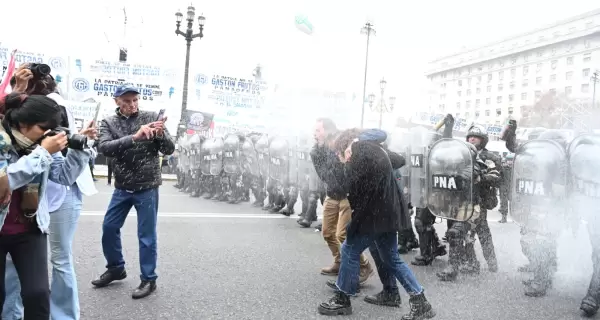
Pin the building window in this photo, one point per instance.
(489, 89)
(478, 79)
(499, 99)
(460, 83)
(477, 102)
(585, 88)
(468, 92)
(459, 93)
(442, 96)
(568, 90)
(498, 112)
(538, 80)
(539, 66)
(525, 70)
(553, 90)
(510, 110)
(501, 75)
(513, 72)
(514, 59)
(538, 94)
(511, 97)
(466, 114)
(480, 68)
(526, 57)
(569, 61)
(490, 77)
(524, 96)
(587, 57)
(487, 113)
(553, 51)
(552, 77)
(469, 82)
(500, 87)
(442, 107)
(458, 105)
(443, 85)
(478, 90)
(540, 53)
(587, 44)
(468, 105)
(554, 64)
(476, 114)
(525, 83)
(585, 73)
(488, 100)
(569, 75)
(512, 85)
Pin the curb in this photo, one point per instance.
(105, 175)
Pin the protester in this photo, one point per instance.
(26, 168)
(377, 213)
(64, 204)
(336, 208)
(134, 139)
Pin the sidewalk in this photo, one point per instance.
(101, 171)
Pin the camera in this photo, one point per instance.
(39, 70)
(74, 141)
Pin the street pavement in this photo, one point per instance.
(222, 261)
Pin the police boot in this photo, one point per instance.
(337, 305)
(451, 271)
(420, 308)
(195, 193)
(503, 219)
(470, 263)
(402, 242)
(431, 249)
(591, 301)
(539, 285)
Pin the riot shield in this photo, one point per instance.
(262, 152)
(450, 187)
(231, 154)
(250, 158)
(584, 160)
(306, 170)
(398, 142)
(420, 141)
(538, 181)
(279, 159)
(216, 156)
(194, 143)
(205, 156)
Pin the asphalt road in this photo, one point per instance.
(221, 261)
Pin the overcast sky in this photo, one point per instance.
(240, 34)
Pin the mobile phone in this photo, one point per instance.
(161, 114)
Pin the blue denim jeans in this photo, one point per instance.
(386, 274)
(387, 247)
(64, 297)
(146, 205)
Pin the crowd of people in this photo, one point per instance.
(45, 170)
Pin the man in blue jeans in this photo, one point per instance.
(377, 214)
(133, 138)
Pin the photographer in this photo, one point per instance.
(29, 156)
(64, 204)
(134, 139)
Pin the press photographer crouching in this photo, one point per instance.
(29, 156)
(64, 205)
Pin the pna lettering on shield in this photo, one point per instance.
(531, 187)
(444, 182)
(416, 160)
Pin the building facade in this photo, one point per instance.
(489, 83)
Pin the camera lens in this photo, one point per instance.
(43, 69)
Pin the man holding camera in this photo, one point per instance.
(133, 138)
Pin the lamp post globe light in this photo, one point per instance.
(382, 106)
(189, 35)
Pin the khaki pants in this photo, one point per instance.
(336, 216)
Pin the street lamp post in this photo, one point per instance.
(382, 107)
(188, 35)
(368, 30)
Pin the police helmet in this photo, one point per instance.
(479, 131)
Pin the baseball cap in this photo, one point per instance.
(125, 89)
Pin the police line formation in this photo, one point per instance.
(553, 180)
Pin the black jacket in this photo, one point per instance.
(135, 164)
(331, 171)
(377, 203)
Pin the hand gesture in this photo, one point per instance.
(54, 144)
(22, 76)
(159, 126)
(145, 132)
(90, 130)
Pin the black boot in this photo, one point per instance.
(108, 277)
(591, 302)
(470, 263)
(144, 289)
(287, 211)
(385, 298)
(454, 259)
(420, 308)
(337, 305)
